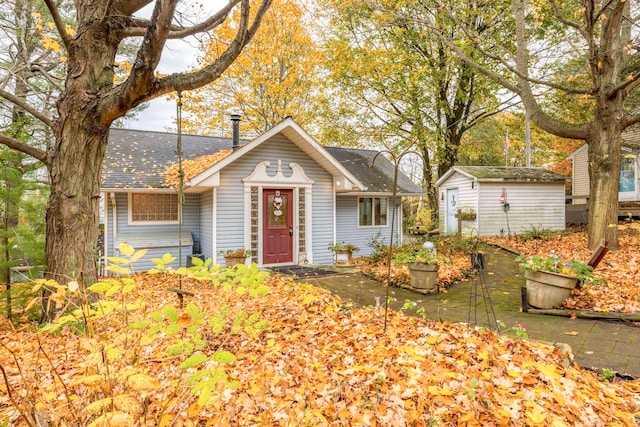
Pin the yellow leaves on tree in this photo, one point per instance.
(193, 167)
(50, 35)
(49, 43)
(271, 79)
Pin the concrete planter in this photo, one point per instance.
(546, 289)
(423, 276)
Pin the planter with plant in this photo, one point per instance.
(549, 280)
(343, 253)
(235, 256)
(423, 268)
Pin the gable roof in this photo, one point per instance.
(503, 174)
(379, 178)
(290, 129)
(137, 160)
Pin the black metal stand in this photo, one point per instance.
(479, 291)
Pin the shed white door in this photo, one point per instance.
(452, 208)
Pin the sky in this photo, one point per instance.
(161, 113)
(178, 56)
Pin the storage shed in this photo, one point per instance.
(500, 201)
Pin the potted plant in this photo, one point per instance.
(549, 280)
(343, 253)
(235, 256)
(423, 268)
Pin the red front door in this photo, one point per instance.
(277, 225)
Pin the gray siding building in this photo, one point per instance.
(282, 196)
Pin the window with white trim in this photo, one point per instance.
(154, 207)
(372, 211)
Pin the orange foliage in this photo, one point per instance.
(621, 268)
(319, 363)
(193, 167)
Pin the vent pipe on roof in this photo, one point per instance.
(235, 120)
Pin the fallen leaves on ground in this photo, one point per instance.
(400, 277)
(318, 363)
(621, 267)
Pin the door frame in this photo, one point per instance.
(448, 216)
(300, 183)
(293, 209)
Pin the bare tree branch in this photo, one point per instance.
(500, 59)
(538, 116)
(26, 107)
(631, 120)
(129, 7)
(24, 148)
(62, 29)
(628, 85)
(176, 32)
(107, 11)
(142, 86)
(566, 21)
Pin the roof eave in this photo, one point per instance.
(300, 138)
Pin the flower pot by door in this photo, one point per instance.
(546, 289)
(343, 258)
(423, 276)
(231, 261)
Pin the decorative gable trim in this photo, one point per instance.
(301, 139)
(259, 175)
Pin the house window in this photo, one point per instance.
(151, 207)
(372, 211)
(627, 175)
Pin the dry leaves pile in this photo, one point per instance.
(621, 268)
(318, 363)
(447, 273)
(193, 167)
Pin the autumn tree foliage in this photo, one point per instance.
(86, 38)
(599, 38)
(274, 77)
(485, 145)
(22, 190)
(399, 84)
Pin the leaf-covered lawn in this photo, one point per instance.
(455, 250)
(621, 267)
(298, 356)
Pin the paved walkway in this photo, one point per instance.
(596, 344)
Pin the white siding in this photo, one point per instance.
(348, 231)
(539, 205)
(468, 201)
(230, 196)
(580, 175)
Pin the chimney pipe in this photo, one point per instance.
(235, 120)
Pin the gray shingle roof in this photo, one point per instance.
(137, 159)
(378, 179)
(507, 173)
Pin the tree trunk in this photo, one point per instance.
(604, 176)
(72, 210)
(605, 136)
(75, 162)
